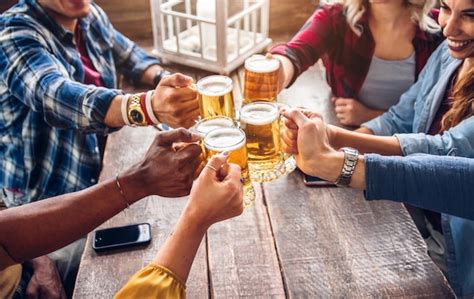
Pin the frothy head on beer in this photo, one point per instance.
(225, 139)
(259, 113)
(208, 124)
(214, 85)
(261, 64)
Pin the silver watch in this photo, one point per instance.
(351, 156)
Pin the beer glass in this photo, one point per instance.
(215, 96)
(289, 160)
(261, 123)
(232, 140)
(208, 124)
(261, 79)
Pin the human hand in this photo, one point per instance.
(289, 132)
(216, 195)
(315, 155)
(45, 282)
(170, 164)
(351, 112)
(175, 102)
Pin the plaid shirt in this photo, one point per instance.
(48, 118)
(346, 56)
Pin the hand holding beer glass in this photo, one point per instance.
(233, 141)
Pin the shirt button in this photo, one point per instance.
(93, 181)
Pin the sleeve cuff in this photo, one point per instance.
(377, 126)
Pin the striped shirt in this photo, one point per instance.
(48, 117)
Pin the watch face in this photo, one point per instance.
(137, 117)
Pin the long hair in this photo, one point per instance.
(420, 9)
(463, 101)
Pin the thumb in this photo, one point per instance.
(296, 116)
(176, 80)
(213, 167)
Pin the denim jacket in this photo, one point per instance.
(409, 121)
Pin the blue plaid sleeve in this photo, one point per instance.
(36, 77)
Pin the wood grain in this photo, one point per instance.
(334, 244)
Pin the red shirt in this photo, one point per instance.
(91, 75)
(346, 56)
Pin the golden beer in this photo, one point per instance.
(206, 125)
(261, 79)
(232, 140)
(215, 96)
(261, 123)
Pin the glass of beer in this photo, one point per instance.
(205, 125)
(215, 96)
(261, 123)
(261, 79)
(232, 140)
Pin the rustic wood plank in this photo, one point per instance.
(333, 243)
(242, 257)
(102, 275)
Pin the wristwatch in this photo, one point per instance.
(351, 156)
(135, 113)
(160, 74)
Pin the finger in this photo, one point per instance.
(290, 124)
(177, 135)
(342, 101)
(333, 99)
(340, 109)
(269, 55)
(296, 116)
(213, 166)
(292, 150)
(234, 173)
(176, 80)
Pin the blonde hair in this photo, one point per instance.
(462, 102)
(420, 9)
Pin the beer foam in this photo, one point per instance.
(261, 64)
(214, 86)
(225, 139)
(206, 126)
(259, 113)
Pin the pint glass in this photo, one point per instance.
(261, 123)
(215, 96)
(232, 140)
(261, 79)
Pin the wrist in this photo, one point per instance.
(134, 184)
(329, 165)
(195, 219)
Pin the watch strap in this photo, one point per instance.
(351, 156)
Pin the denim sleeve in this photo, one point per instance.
(441, 184)
(457, 141)
(39, 80)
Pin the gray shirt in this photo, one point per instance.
(386, 81)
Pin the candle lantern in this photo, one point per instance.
(214, 35)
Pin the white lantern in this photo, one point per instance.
(214, 35)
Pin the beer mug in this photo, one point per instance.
(232, 140)
(261, 79)
(261, 123)
(289, 160)
(215, 96)
(208, 124)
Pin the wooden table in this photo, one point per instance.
(295, 241)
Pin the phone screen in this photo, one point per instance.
(122, 236)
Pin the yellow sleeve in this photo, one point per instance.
(153, 281)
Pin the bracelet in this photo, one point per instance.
(117, 182)
(144, 108)
(149, 108)
(123, 109)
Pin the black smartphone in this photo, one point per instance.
(123, 236)
(314, 181)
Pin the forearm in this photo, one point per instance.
(113, 117)
(287, 71)
(179, 250)
(149, 75)
(44, 226)
(365, 143)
